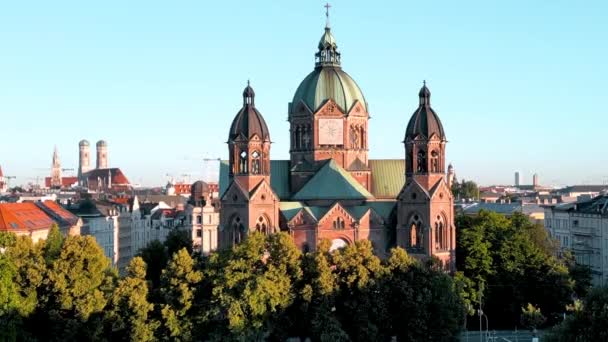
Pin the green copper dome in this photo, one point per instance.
(328, 83)
(328, 80)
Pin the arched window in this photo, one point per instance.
(421, 162)
(243, 162)
(262, 225)
(306, 137)
(441, 236)
(416, 232)
(255, 163)
(236, 230)
(434, 161)
(339, 223)
(362, 135)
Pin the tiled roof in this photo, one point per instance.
(388, 177)
(118, 177)
(65, 181)
(23, 217)
(58, 212)
(332, 182)
(501, 208)
(585, 188)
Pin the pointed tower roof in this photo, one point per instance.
(56, 160)
(424, 122)
(248, 121)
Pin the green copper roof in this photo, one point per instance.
(332, 182)
(279, 177)
(327, 40)
(290, 209)
(382, 208)
(388, 177)
(326, 83)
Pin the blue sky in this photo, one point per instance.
(519, 85)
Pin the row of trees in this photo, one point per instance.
(262, 289)
(510, 264)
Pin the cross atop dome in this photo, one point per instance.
(327, 7)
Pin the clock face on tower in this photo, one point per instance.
(331, 132)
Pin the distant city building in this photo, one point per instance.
(588, 191)
(535, 181)
(534, 212)
(36, 218)
(84, 160)
(102, 155)
(582, 227)
(177, 189)
(104, 180)
(517, 179)
(56, 180)
(203, 218)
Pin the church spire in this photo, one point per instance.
(56, 161)
(328, 54)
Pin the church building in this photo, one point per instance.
(330, 188)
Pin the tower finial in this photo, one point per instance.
(327, 7)
(424, 82)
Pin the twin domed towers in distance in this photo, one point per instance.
(330, 188)
(84, 157)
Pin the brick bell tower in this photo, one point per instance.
(425, 218)
(249, 203)
(328, 118)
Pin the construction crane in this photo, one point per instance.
(8, 180)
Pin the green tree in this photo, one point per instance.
(23, 272)
(53, 244)
(465, 189)
(78, 286)
(360, 304)
(129, 308)
(178, 284)
(532, 317)
(588, 322)
(252, 286)
(155, 256)
(429, 306)
(178, 239)
(510, 262)
(316, 301)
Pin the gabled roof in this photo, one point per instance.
(332, 182)
(118, 178)
(23, 217)
(290, 209)
(58, 213)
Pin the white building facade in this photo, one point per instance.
(582, 228)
